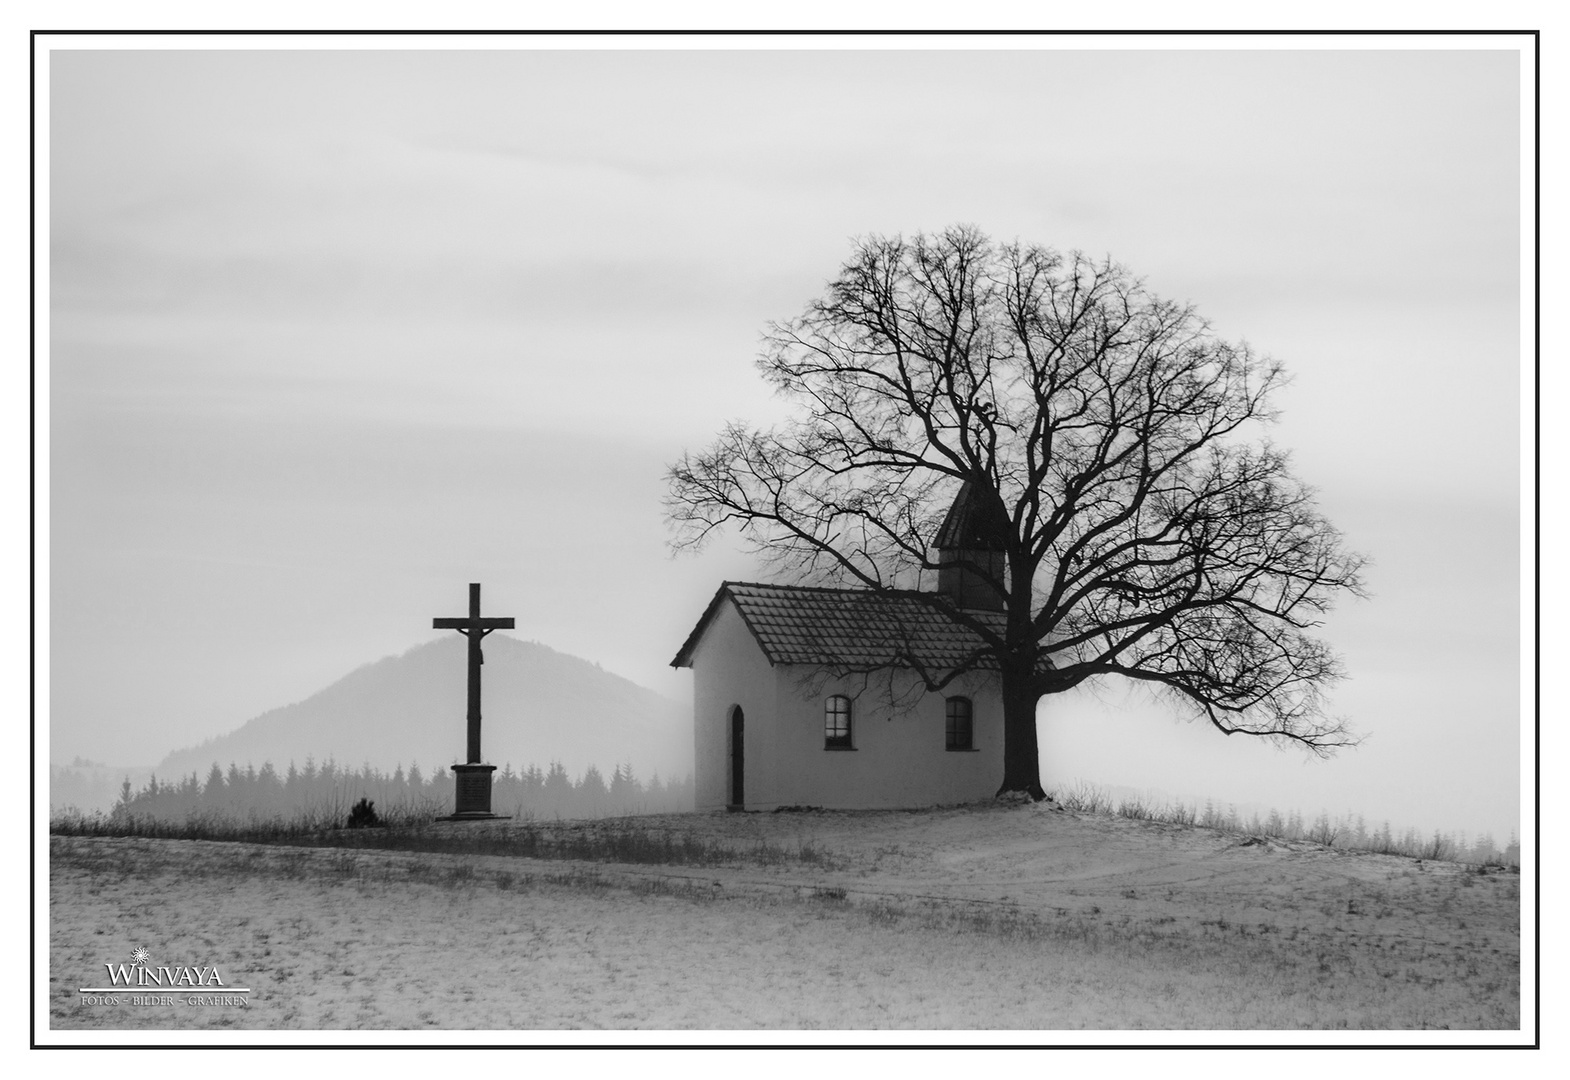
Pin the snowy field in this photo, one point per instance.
(989, 917)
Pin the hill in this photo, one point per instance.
(988, 916)
(539, 706)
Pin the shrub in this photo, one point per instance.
(363, 816)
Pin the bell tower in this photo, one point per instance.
(971, 546)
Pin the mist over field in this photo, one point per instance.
(332, 333)
(539, 706)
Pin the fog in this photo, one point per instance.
(333, 334)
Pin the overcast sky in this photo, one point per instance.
(335, 333)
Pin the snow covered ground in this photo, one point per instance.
(987, 917)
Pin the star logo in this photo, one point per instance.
(139, 955)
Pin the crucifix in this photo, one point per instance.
(473, 778)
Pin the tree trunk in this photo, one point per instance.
(1021, 755)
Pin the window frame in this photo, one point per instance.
(951, 724)
(837, 713)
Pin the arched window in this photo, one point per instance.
(957, 725)
(836, 723)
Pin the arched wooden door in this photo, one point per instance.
(737, 758)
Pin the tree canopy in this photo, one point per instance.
(1152, 529)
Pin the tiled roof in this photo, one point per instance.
(852, 628)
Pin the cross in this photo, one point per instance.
(474, 628)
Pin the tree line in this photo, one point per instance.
(329, 789)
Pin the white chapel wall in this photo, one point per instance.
(899, 758)
(730, 669)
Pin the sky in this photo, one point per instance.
(334, 333)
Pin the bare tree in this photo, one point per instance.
(1126, 510)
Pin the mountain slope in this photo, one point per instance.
(539, 706)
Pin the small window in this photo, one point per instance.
(956, 724)
(836, 723)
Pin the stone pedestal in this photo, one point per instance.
(473, 784)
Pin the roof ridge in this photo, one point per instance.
(868, 589)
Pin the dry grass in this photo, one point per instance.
(1348, 833)
(623, 840)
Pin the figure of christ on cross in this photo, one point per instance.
(473, 785)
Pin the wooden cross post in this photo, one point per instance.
(473, 778)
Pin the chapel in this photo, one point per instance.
(808, 696)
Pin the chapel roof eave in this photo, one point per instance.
(684, 654)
